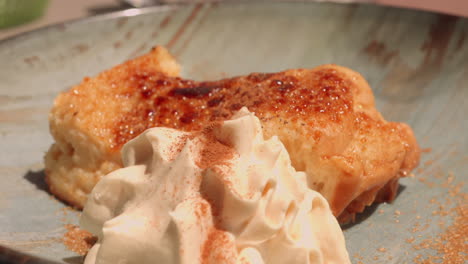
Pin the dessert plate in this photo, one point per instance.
(416, 63)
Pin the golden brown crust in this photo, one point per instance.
(325, 116)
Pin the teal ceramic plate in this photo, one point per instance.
(416, 63)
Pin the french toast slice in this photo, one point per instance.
(325, 116)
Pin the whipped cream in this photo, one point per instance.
(221, 195)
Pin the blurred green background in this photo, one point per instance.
(16, 12)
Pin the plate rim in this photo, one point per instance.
(131, 12)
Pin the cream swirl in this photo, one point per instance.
(223, 195)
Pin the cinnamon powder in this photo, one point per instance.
(213, 253)
(213, 151)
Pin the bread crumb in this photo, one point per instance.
(382, 249)
(77, 240)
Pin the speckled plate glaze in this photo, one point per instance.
(416, 63)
